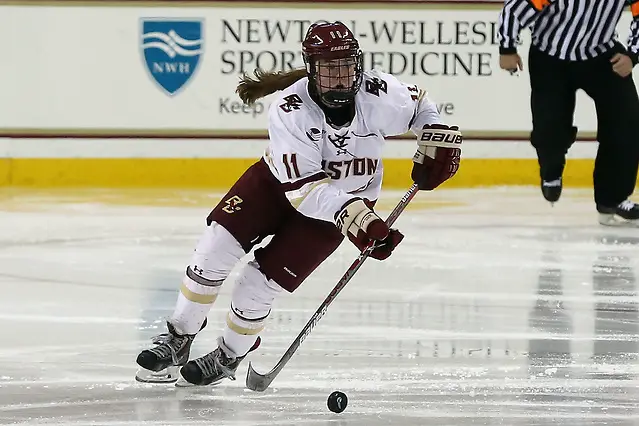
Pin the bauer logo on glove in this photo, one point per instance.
(438, 155)
(448, 136)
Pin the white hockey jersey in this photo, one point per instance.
(321, 166)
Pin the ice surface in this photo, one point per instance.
(497, 309)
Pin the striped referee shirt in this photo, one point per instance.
(568, 29)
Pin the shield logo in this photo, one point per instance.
(171, 50)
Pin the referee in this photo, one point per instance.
(575, 46)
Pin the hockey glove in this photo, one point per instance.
(361, 225)
(437, 157)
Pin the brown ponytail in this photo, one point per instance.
(251, 89)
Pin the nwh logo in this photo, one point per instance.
(172, 50)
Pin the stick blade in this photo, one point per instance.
(256, 381)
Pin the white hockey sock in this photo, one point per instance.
(239, 334)
(194, 302)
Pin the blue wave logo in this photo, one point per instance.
(172, 50)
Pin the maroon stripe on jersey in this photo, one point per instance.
(288, 168)
(294, 163)
(293, 186)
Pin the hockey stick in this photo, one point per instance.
(259, 382)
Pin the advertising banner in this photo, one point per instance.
(164, 68)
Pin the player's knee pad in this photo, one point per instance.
(216, 253)
(251, 301)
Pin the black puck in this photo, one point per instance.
(337, 402)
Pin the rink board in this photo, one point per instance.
(119, 115)
(131, 66)
(218, 163)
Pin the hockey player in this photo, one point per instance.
(316, 183)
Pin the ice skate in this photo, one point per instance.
(551, 172)
(624, 214)
(161, 363)
(551, 190)
(213, 367)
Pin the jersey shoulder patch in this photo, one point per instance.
(293, 98)
(375, 86)
(388, 102)
(386, 87)
(290, 103)
(294, 111)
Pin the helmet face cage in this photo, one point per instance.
(337, 80)
(333, 62)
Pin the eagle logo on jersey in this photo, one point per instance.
(374, 85)
(171, 49)
(339, 142)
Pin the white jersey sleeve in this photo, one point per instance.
(296, 161)
(399, 107)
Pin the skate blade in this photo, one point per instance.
(618, 221)
(168, 375)
(182, 383)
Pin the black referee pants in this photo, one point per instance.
(554, 84)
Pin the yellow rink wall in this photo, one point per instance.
(216, 173)
(94, 165)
